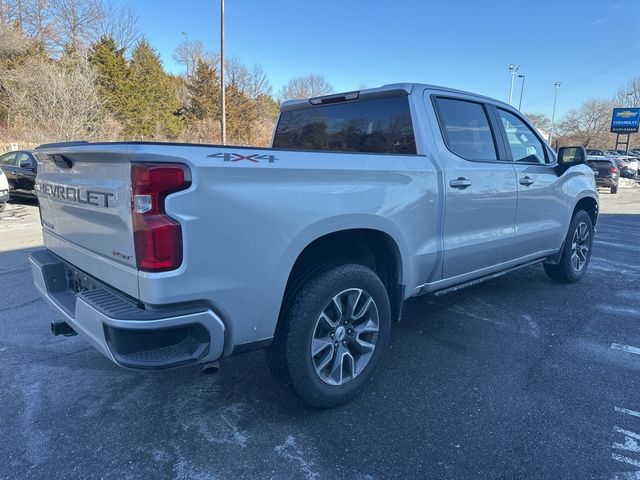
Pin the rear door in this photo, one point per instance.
(542, 208)
(480, 188)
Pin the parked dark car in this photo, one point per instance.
(607, 173)
(20, 167)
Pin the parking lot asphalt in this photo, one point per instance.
(514, 378)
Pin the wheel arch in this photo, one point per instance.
(590, 205)
(370, 245)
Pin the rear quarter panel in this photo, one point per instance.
(245, 223)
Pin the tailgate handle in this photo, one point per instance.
(61, 161)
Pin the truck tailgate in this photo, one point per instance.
(85, 207)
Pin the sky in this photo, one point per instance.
(591, 46)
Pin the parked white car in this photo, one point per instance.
(630, 162)
(4, 191)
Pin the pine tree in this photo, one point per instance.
(153, 96)
(204, 92)
(114, 84)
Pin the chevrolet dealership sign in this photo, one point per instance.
(625, 120)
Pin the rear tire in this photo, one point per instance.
(2, 207)
(332, 335)
(576, 251)
(614, 190)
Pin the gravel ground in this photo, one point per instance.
(514, 378)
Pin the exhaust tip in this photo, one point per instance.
(210, 368)
(62, 328)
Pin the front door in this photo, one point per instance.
(25, 173)
(541, 213)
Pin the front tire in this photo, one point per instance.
(576, 252)
(332, 335)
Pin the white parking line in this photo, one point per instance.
(628, 412)
(626, 348)
(630, 461)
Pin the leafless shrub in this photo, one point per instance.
(55, 101)
(12, 42)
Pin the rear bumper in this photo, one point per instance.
(606, 182)
(128, 335)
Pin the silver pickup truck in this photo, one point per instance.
(163, 255)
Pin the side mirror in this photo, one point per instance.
(569, 156)
(28, 165)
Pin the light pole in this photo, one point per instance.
(186, 50)
(523, 77)
(513, 71)
(553, 113)
(223, 113)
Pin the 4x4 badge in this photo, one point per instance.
(236, 157)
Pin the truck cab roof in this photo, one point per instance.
(385, 90)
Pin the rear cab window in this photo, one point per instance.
(380, 125)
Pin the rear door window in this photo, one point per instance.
(8, 159)
(466, 130)
(382, 125)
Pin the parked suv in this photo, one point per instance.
(606, 172)
(163, 255)
(20, 167)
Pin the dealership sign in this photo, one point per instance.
(625, 120)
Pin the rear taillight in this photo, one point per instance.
(157, 236)
(614, 170)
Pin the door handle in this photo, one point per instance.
(526, 181)
(460, 183)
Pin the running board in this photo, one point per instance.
(471, 283)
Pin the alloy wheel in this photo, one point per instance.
(344, 336)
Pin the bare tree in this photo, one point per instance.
(39, 25)
(119, 22)
(77, 21)
(188, 53)
(9, 11)
(589, 124)
(258, 83)
(629, 95)
(237, 75)
(53, 101)
(539, 120)
(313, 85)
